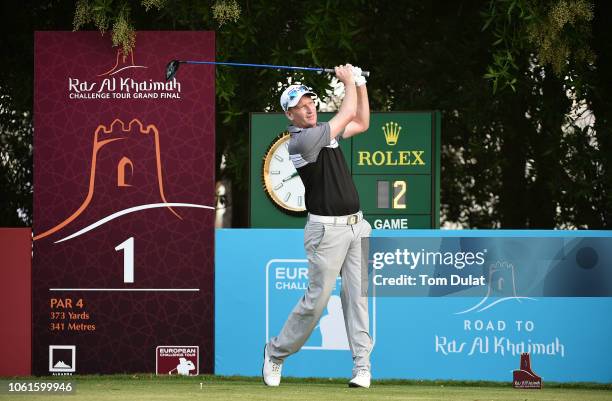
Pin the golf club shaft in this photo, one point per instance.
(284, 67)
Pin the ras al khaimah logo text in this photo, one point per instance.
(114, 84)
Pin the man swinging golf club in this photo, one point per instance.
(335, 226)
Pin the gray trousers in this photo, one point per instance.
(331, 250)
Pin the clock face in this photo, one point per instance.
(281, 180)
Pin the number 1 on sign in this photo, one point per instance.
(128, 259)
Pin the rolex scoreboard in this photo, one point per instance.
(395, 165)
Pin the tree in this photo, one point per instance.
(549, 47)
(16, 86)
(515, 154)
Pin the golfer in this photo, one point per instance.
(335, 226)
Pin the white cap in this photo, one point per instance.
(292, 95)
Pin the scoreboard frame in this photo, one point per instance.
(398, 146)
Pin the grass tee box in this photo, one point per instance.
(211, 388)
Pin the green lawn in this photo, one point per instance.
(211, 388)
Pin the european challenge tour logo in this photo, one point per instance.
(177, 359)
(286, 281)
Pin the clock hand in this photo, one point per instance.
(290, 177)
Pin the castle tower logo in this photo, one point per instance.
(391, 131)
(139, 183)
(501, 287)
(123, 62)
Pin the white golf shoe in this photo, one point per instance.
(271, 371)
(361, 379)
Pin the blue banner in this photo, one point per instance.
(261, 274)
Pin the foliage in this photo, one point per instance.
(15, 165)
(563, 35)
(226, 11)
(555, 31)
(535, 152)
(103, 13)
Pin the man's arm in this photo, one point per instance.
(348, 108)
(361, 122)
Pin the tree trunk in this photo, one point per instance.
(601, 105)
(544, 193)
(513, 201)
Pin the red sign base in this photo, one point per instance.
(525, 377)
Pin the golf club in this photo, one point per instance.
(173, 66)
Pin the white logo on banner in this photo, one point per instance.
(333, 331)
(498, 337)
(502, 286)
(286, 281)
(62, 359)
(184, 367)
(108, 86)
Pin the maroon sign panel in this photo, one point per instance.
(123, 205)
(15, 288)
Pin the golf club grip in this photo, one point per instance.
(332, 71)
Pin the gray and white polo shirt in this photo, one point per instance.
(319, 161)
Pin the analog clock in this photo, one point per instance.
(281, 181)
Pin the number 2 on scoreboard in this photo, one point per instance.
(399, 194)
(399, 200)
(128, 259)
